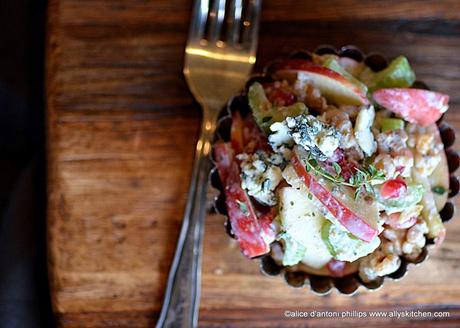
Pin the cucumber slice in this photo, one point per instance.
(398, 74)
(430, 213)
(261, 107)
(412, 197)
(325, 236)
(265, 113)
(343, 245)
(390, 124)
(280, 113)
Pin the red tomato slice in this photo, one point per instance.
(245, 225)
(393, 188)
(352, 222)
(254, 138)
(224, 158)
(236, 132)
(414, 105)
(246, 136)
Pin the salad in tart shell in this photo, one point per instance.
(336, 169)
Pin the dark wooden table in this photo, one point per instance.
(121, 133)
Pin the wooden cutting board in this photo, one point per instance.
(121, 132)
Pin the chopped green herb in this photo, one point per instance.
(292, 203)
(361, 180)
(440, 190)
(243, 207)
(266, 119)
(278, 220)
(369, 188)
(310, 196)
(337, 168)
(358, 192)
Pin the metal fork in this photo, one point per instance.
(217, 64)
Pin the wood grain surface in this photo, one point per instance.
(121, 132)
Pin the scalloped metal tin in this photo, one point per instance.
(322, 285)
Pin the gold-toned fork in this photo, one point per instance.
(220, 53)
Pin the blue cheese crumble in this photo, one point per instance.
(319, 138)
(280, 139)
(260, 175)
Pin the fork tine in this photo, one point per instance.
(251, 25)
(216, 19)
(234, 21)
(198, 20)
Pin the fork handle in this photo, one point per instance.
(182, 295)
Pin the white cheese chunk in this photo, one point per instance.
(363, 133)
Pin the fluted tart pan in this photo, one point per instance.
(318, 283)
